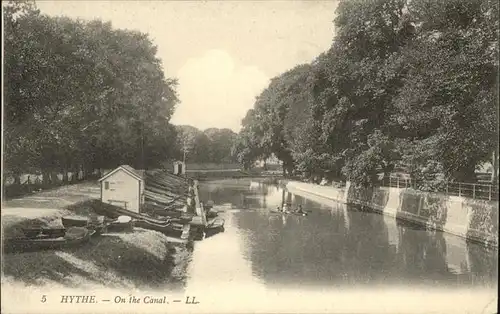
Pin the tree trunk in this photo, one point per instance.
(17, 177)
(65, 178)
(45, 177)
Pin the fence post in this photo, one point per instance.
(397, 182)
(459, 189)
(474, 191)
(446, 188)
(390, 182)
(489, 198)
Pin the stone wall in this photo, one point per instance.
(473, 219)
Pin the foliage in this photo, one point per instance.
(405, 84)
(210, 146)
(82, 95)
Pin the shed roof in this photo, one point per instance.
(138, 174)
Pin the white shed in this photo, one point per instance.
(123, 187)
(179, 168)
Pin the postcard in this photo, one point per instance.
(250, 156)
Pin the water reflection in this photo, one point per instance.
(338, 246)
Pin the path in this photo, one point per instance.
(47, 203)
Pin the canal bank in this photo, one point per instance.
(129, 259)
(475, 220)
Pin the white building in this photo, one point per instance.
(123, 187)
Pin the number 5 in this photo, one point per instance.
(44, 299)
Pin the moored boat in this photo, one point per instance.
(73, 236)
(168, 228)
(122, 223)
(45, 232)
(75, 221)
(115, 212)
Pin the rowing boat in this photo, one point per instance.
(122, 223)
(115, 212)
(287, 213)
(165, 228)
(73, 236)
(33, 233)
(75, 221)
(90, 222)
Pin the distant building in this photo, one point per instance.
(124, 187)
(179, 168)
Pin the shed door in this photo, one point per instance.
(179, 168)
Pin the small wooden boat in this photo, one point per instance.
(214, 226)
(93, 222)
(122, 223)
(32, 233)
(75, 221)
(174, 216)
(287, 213)
(115, 212)
(168, 228)
(73, 236)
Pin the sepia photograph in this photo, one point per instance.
(245, 156)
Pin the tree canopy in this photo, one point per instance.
(82, 95)
(406, 85)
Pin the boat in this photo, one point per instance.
(287, 213)
(175, 216)
(214, 226)
(75, 221)
(90, 222)
(115, 212)
(122, 223)
(44, 231)
(73, 236)
(167, 228)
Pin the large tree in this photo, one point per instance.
(82, 95)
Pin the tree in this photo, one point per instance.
(447, 107)
(222, 141)
(82, 95)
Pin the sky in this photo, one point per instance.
(223, 53)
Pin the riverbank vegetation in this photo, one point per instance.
(81, 96)
(409, 85)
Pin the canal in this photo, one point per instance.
(337, 257)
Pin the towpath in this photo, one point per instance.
(47, 203)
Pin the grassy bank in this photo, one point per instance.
(137, 259)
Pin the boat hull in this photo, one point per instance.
(167, 228)
(21, 245)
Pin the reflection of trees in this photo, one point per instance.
(483, 264)
(240, 196)
(319, 249)
(422, 256)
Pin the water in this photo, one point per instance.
(334, 248)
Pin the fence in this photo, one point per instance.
(471, 190)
